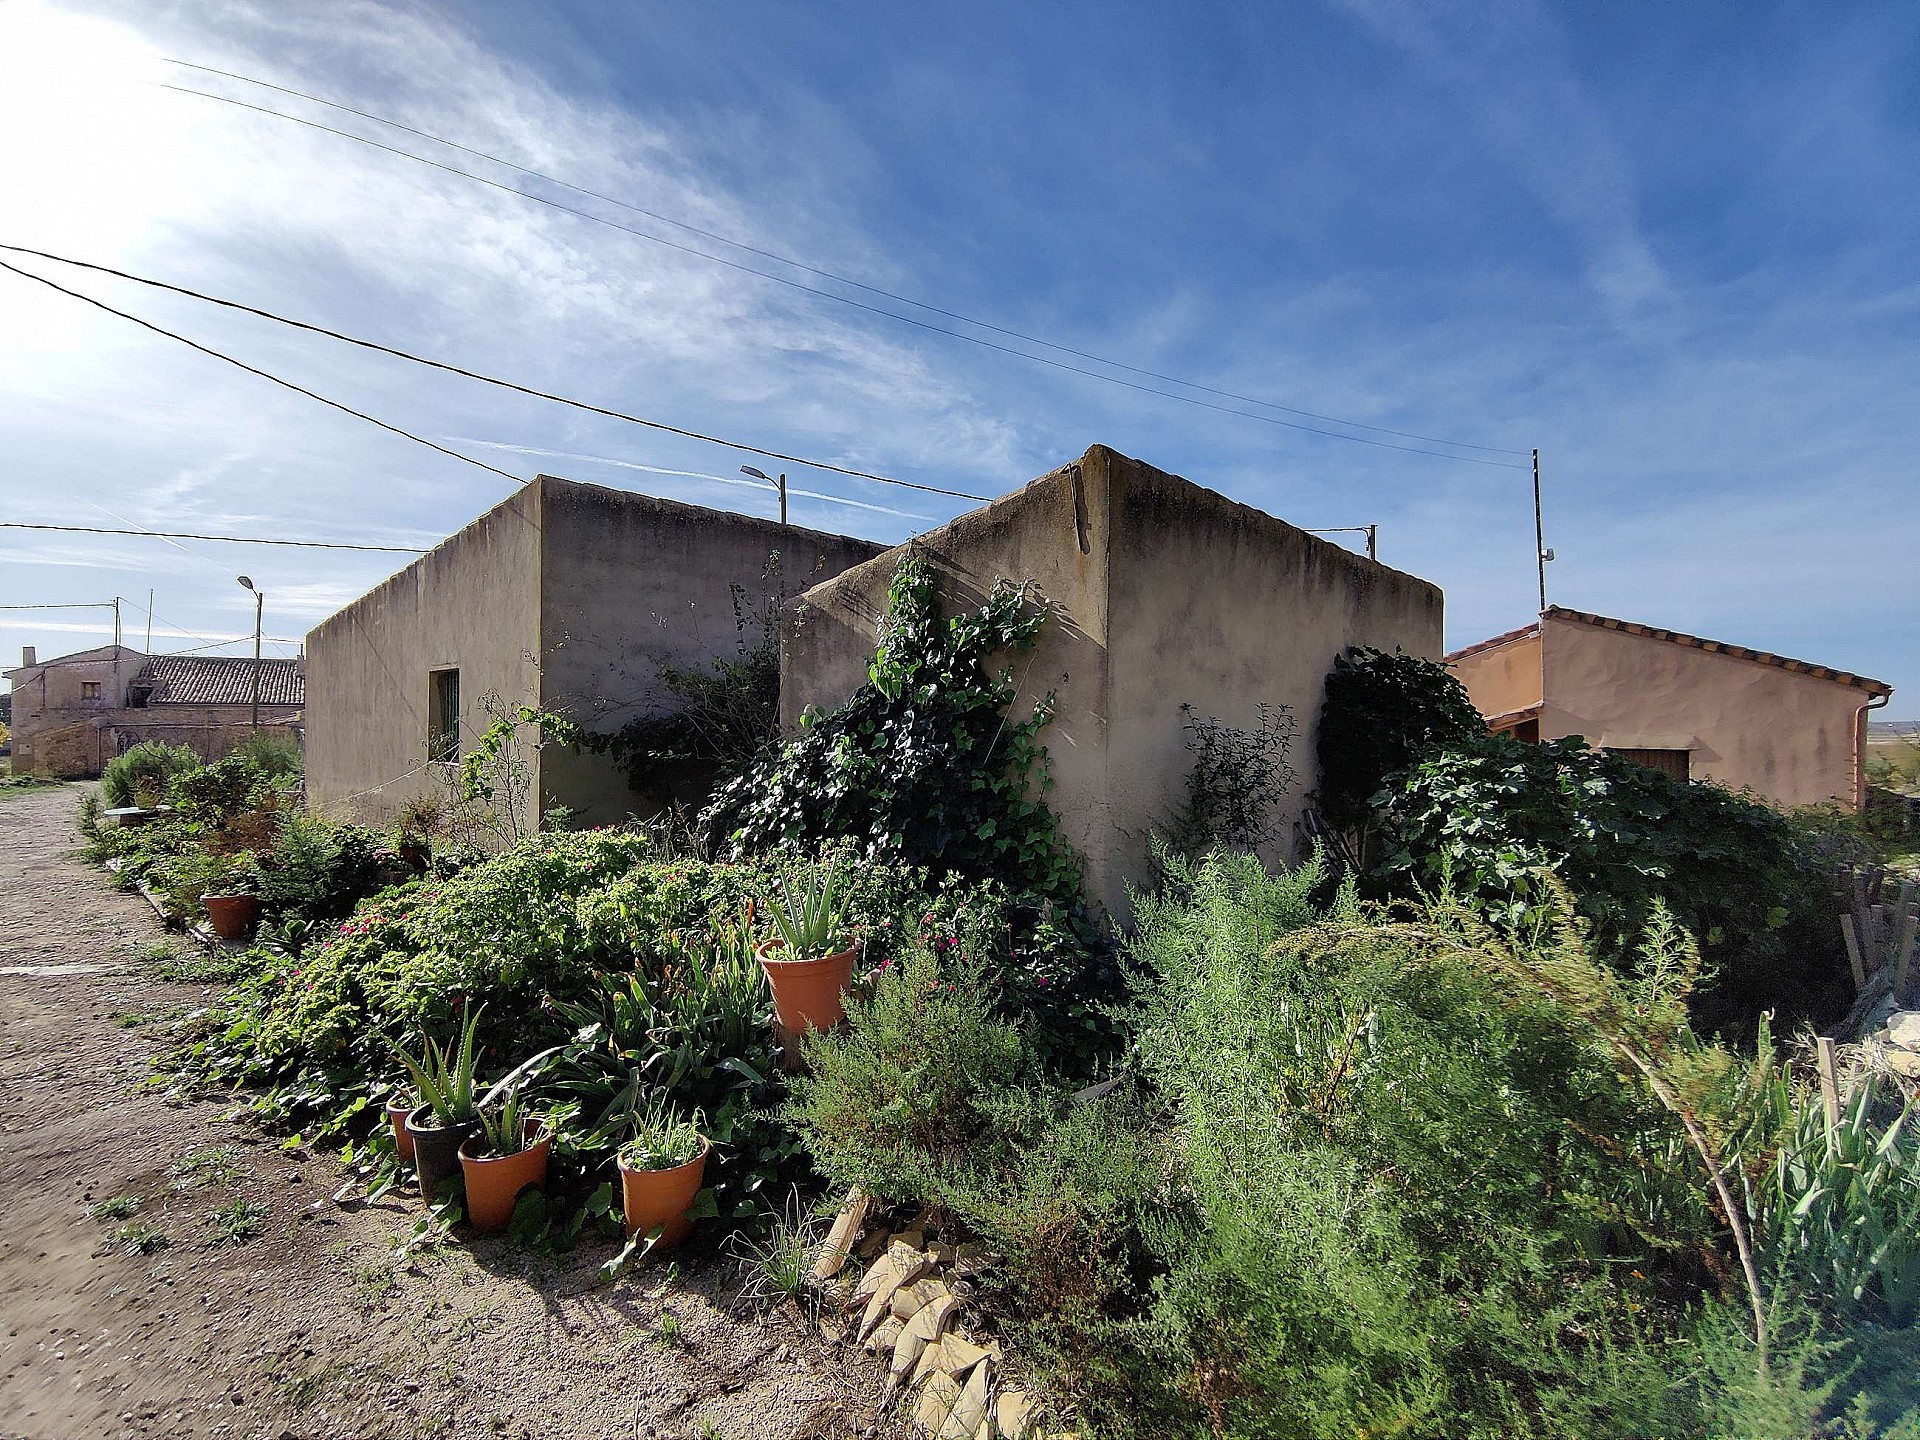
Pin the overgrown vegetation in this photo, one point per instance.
(1382, 713)
(1496, 823)
(1380, 1176)
(1462, 1141)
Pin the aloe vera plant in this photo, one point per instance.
(806, 914)
(505, 1123)
(444, 1076)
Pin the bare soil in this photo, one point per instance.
(159, 1322)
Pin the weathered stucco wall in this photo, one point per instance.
(633, 583)
(1163, 592)
(472, 603)
(1502, 677)
(1222, 607)
(1789, 736)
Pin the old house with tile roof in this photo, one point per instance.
(1791, 731)
(75, 712)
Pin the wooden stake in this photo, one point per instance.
(1903, 953)
(1829, 1080)
(846, 1229)
(1853, 953)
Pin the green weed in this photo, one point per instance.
(238, 1221)
(118, 1208)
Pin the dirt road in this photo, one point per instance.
(166, 1271)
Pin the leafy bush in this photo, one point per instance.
(212, 794)
(316, 870)
(923, 765)
(274, 756)
(1494, 821)
(1382, 713)
(1238, 779)
(148, 768)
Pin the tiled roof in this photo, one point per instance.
(1525, 632)
(221, 680)
(1762, 657)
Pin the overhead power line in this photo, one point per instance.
(802, 265)
(860, 304)
(193, 535)
(443, 365)
(263, 374)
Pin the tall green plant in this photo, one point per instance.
(444, 1078)
(1382, 713)
(806, 910)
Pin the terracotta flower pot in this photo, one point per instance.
(494, 1182)
(232, 916)
(436, 1152)
(662, 1197)
(398, 1109)
(807, 993)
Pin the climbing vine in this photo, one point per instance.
(923, 764)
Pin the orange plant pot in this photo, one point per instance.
(662, 1197)
(232, 916)
(397, 1111)
(807, 994)
(494, 1182)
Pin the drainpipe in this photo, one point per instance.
(1878, 702)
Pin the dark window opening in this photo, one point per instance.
(1674, 764)
(443, 715)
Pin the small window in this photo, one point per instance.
(90, 690)
(1674, 764)
(443, 715)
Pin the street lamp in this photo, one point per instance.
(259, 608)
(782, 483)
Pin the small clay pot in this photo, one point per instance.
(807, 994)
(398, 1109)
(494, 1182)
(436, 1152)
(662, 1197)
(232, 916)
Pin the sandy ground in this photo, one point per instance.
(309, 1328)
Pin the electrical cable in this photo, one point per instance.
(844, 299)
(263, 374)
(809, 269)
(450, 369)
(192, 535)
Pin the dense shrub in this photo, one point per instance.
(1383, 712)
(147, 768)
(317, 870)
(274, 756)
(1494, 821)
(923, 765)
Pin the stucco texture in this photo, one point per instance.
(1161, 593)
(566, 597)
(1789, 732)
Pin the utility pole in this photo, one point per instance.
(116, 622)
(1541, 555)
(149, 622)
(259, 608)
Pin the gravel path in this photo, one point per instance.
(154, 1322)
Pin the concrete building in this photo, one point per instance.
(1163, 593)
(1792, 732)
(564, 597)
(75, 712)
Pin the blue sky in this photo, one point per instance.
(1669, 245)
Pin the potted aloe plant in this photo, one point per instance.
(509, 1154)
(661, 1168)
(449, 1113)
(809, 959)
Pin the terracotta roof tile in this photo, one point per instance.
(221, 680)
